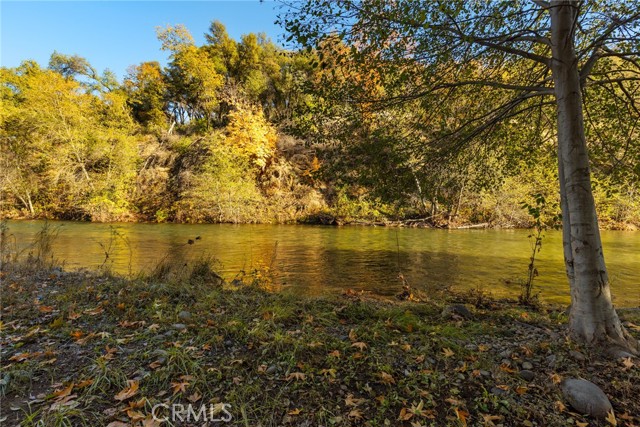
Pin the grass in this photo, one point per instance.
(277, 359)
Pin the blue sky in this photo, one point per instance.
(117, 34)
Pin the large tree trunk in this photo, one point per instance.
(592, 319)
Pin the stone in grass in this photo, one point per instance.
(459, 310)
(586, 397)
(179, 326)
(527, 375)
(184, 315)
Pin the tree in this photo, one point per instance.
(562, 48)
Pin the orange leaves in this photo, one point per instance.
(297, 376)
(386, 378)
(179, 387)
(129, 391)
(359, 345)
(462, 415)
(60, 394)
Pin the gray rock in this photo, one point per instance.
(184, 315)
(586, 397)
(527, 375)
(179, 326)
(271, 369)
(497, 391)
(159, 352)
(576, 355)
(456, 310)
(485, 373)
(471, 347)
(527, 366)
(551, 360)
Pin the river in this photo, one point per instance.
(315, 260)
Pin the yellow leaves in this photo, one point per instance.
(352, 335)
(129, 391)
(296, 411)
(386, 378)
(447, 352)
(560, 407)
(627, 363)
(555, 378)
(356, 414)
(483, 347)
(297, 376)
(193, 398)
(508, 369)
(95, 311)
(328, 372)
(334, 353)
(352, 401)
(611, 419)
(179, 387)
(359, 345)
(521, 390)
(249, 131)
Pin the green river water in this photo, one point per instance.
(315, 260)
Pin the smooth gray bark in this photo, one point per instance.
(592, 318)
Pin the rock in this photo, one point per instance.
(551, 360)
(485, 373)
(576, 355)
(184, 315)
(456, 310)
(505, 354)
(179, 326)
(497, 391)
(471, 347)
(527, 366)
(271, 369)
(159, 352)
(586, 397)
(527, 375)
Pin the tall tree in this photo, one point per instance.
(562, 50)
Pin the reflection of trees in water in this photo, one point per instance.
(376, 270)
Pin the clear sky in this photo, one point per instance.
(117, 34)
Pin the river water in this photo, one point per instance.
(315, 260)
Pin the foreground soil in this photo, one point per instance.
(93, 349)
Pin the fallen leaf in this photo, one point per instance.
(352, 401)
(462, 416)
(194, 397)
(628, 363)
(130, 391)
(295, 411)
(387, 378)
(298, 376)
(359, 345)
(611, 419)
(60, 394)
(405, 414)
(179, 387)
(447, 352)
(355, 414)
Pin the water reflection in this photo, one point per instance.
(316, 260)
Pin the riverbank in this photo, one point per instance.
(94, 349)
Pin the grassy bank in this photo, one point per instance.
(82, 348)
